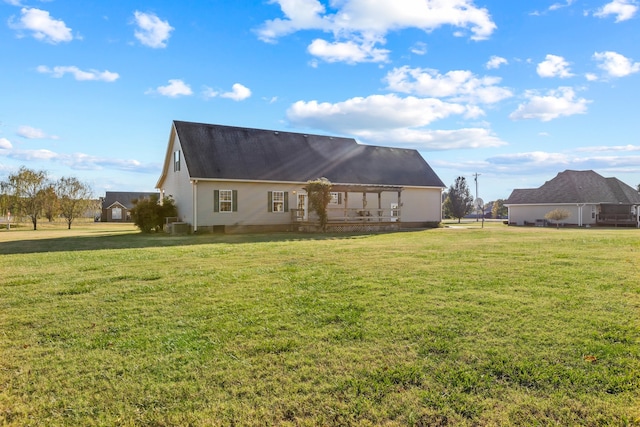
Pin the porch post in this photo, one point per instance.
(195, 205)
(346, 205)
(399, 206)
(379, 204)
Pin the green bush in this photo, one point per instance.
(149, 215)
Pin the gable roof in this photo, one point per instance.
(227, 152)
(124, 198)
(577, 187)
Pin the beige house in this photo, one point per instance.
(590, 198)
(232, 179)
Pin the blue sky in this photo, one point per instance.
(515, 91)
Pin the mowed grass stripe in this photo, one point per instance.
(463, 326)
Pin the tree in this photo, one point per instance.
(50, 203)
(498, 209)
(557, 215)
(74, 198)
(459, 200)
(319, 191)
(6, 201)
(148, 214)
(28, 188)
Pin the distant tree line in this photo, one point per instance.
(31, 193)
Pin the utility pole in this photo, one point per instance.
(475, 178)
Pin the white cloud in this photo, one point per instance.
(614, 148)
(392, 120)
(349, 51)
(174, 89)
(419, 48)
(152, 31)
(433, 140)
(533, 157)
(556, 103)
(539, 161)
(616, 65)
(495, 62)
(78, 74)
(5, 144)
(459, 85)
(622, 9)
(238, 92)
(43, 26)
(33, 133)
(208, 93)
(366, 23)
(375, 112)
(554, 66)
(79, 161)
(557, 6)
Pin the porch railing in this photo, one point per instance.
(337, 215)
(612, 219)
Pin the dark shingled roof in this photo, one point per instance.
(125, 198)
(577, 187)
(227, 152)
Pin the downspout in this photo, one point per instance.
(195, 204)
(580, 206)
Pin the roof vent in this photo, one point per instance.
(275, 133)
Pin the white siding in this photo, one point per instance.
(177, 184)
(519, 214)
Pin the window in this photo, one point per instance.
(336, 198)
(176, 161)
(225, 200)
(116, 213)
(278, 201)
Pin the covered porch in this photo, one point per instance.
(361, 209)
(620, 215)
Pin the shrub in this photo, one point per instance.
(148, 214)
(557, 215)
(319, 192)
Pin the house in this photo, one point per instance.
(233, 179)
(116, 205)
(590, 198)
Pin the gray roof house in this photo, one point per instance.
(234, 179)
(116, 205)
(590, 198)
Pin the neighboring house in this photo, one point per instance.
(590, 198)
(233, 179)
(116, 205)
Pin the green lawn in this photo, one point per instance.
(101, 325)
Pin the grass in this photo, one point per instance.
(101, 325)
